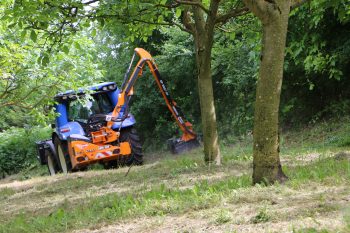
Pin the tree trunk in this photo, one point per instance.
(203, 37)
(266, 162)
(206, 98)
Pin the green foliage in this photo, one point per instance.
(18, 149)
(32, 72)
(135, 22)
(317, 63)
(235, 63)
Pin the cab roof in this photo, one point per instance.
(97, 88)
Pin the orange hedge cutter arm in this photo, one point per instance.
(127, 91)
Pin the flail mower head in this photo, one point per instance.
(178, 146)
(189, 138)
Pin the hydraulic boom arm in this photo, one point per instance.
(127, 92)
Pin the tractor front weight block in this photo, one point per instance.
(84, 153)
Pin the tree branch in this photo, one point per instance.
(213, 9)
(90, 2)
(172, 23)
(258, 7)
(231, 14)
(198, 4)
(134, 19)
(168, 6)
(186, 20)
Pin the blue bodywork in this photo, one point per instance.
(64, 128)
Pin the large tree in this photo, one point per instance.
(274, 15)
(201, 23)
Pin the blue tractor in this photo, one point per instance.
(73, 120)
(100, 129)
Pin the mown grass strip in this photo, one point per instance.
(319, 170)
(160, 200)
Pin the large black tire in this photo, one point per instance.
(51, 159)
(63, 156)
(130, 135)
(52, 164)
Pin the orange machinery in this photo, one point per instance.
(104, 144)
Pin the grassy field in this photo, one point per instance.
(181, 194)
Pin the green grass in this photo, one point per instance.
(223, 217)
(162, 200)
(310, 230)
(158, 190)
(262, 216)
(6, 193)
(319, 171)
(331, 133)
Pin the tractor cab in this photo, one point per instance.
(78, 140)
(80, 112)
(76, 108)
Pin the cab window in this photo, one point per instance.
(100, 104)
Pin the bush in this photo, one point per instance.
(18, 149)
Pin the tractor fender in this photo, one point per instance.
(43, 148)
(129, 121)
(66, 130)
(52, 149)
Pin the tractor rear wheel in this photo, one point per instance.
(52, 165)
(130, 135)
(63, 156)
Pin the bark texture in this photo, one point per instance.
(200, 22)
(203, 35)
(274, 17)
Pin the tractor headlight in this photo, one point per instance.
(105, 88)
(111, 87)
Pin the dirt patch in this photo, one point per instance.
(300, 159)
(308, 158)
(344, 155)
